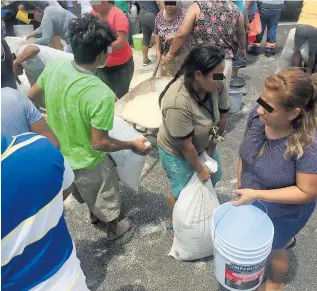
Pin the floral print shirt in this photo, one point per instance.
(164, 28)
(218, 23)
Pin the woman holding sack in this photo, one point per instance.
(167, 23)
(194, 107)
(278, 162)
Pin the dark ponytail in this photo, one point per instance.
(204, 58)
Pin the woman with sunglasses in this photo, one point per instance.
(167, 22)
(194, 107)
(278, 162)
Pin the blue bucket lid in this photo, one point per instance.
(244, 227)
(237, 82)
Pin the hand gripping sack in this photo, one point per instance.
(129, 165)
(192, 218)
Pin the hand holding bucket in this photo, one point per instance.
(245, 196)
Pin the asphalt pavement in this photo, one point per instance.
(138, 261)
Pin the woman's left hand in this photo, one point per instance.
(245, 196)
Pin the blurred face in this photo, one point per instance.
(210, 82)
(38, 14)
(101, 7)
(170, 7)
(279, 117)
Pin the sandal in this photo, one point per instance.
(292, 244)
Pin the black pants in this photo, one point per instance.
(147, 20)
(118, 78)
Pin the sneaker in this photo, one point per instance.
(269, 52)
(254, 50)
(147, 62)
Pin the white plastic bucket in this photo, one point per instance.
(237, 85)
(242, 238)
(22, 30)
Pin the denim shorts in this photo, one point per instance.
(179, 171)
(287, 226)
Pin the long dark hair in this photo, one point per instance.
(204, 58)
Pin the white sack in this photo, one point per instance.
(129, 164)
(192, 217)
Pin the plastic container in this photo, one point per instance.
(242, 238)
(22, 30)
(23, 16)
(237, 85)
(137, 41)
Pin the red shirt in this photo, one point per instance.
(119, 22)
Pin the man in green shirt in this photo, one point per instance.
(80, 110)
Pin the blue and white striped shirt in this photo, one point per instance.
(35, 241)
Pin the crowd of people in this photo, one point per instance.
(201, 45)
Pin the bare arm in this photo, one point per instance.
(29, 52)
(190, 154)
(35, 95)
(305, 191)
(101, 141)
(241, 33)
(239, 173)
(223, 123)
(76, 8)
(186, 28)
(120, 42)
(246, 17)
(42, 128)
(157, 44)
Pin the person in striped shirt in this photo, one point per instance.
(37, 251)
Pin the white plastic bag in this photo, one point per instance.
(129, 164)
(304, 51)
(192, 217)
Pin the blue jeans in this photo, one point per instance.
(269, 19)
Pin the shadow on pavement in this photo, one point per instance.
(95, 256)
(132, 288)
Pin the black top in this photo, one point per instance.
(149, 6)
(7, 75)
